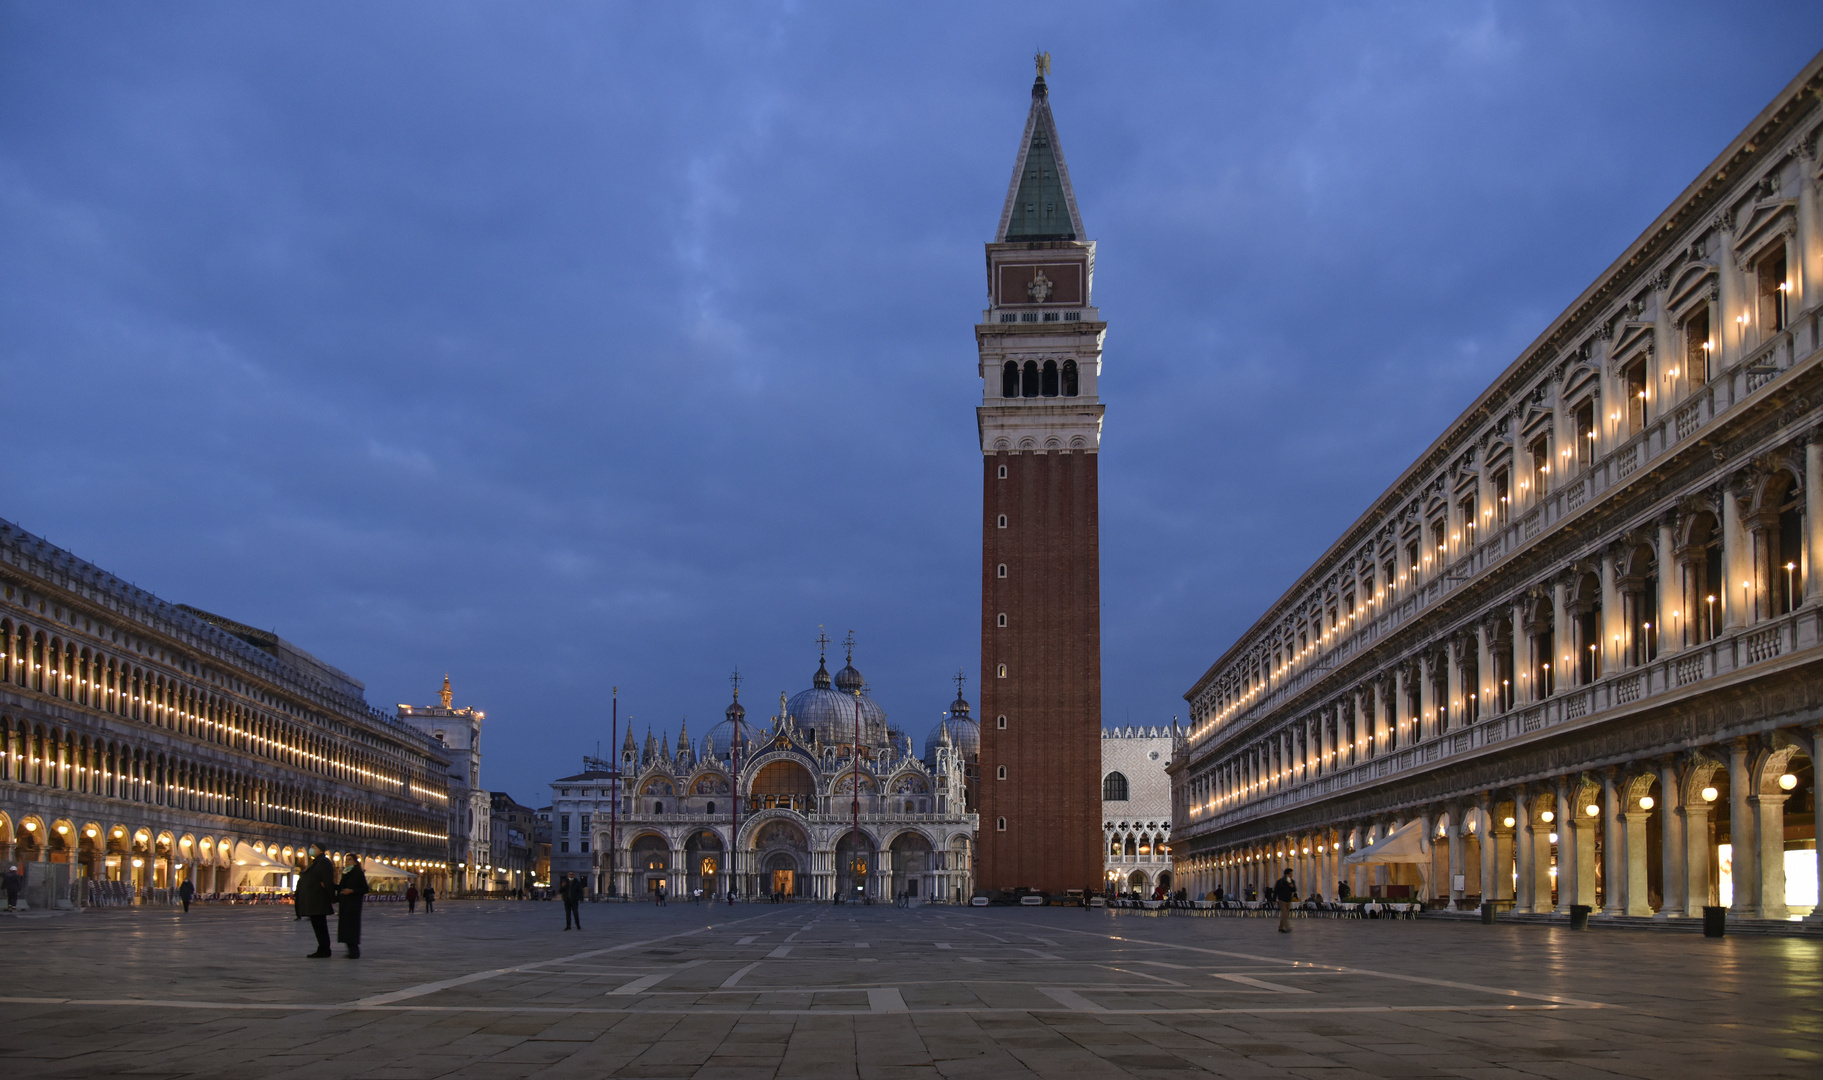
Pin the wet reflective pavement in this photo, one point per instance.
(497, 990)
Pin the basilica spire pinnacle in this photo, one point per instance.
(446, 694)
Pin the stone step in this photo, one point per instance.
(1597, 921)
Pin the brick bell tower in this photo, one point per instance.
(1040, 421)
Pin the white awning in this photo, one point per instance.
(1406, 844)
(248, 856)
(374, 868)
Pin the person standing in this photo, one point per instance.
(571, 893)
(661, 894)
(1285, 891)
(186, 892)
(411, 898)
(430, 898)
(351, 900)
(314, 898)
(12, 882)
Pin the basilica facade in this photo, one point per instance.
(824, 801)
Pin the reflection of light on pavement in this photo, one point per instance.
(1724, 857)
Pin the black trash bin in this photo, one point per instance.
(1579, 916)
(1487, 913)
(1715, 921)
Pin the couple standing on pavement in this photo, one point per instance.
(320, 891)
(411, 899)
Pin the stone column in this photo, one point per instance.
(1484, 671)
(1457, 867)
(1816, 755)
(1397, 719)
(1563, 637)
(1455, 695)
(1725, 330)
(1696, 854)
(1489, 844)
(1525, 852)
(1425, 724)
(1613, 614)
(1542, 856)
(1616, 846)
(1672, 846)
(1741, 836)
(1381, 831)
(1378, 727)
(1521, 687)
(1807, 264)
(1813, 506)
(1568, 845)
(1737, 564)
(1670, 589)
(1769, 827)
(1358, 749)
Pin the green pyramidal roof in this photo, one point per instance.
(1040, 205)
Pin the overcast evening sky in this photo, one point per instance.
(561, 346)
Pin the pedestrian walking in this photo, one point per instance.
(186, 892)
(314, 898)
(351, 900)
(1285, 891)
(430, 899)
(1342, 890)
(411, 899)
(571, 893)
(12, 882)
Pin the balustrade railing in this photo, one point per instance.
(1734, 651)
(1668, 431)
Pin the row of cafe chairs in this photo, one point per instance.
(1310, 909)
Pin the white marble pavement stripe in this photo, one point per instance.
(461, 980)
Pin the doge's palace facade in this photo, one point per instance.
(1574, 651)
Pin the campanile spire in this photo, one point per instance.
(1040, 418)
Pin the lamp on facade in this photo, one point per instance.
(1788, 781)
(1646, 803)
(1592, 810)
(1709, 794)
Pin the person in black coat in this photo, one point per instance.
(314, 898)
(1285, 891)
(186, 892)
(571, 892)
(351, 898)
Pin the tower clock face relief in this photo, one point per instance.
(1040, 283)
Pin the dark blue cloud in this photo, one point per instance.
(580, 346)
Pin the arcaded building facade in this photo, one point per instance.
(1136, 808)
(143, 743)
(1575, 649)
(1040, 417)
(826, 800)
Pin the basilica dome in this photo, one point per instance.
(964, 733)
(830, 712)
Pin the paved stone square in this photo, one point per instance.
(498, 990)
